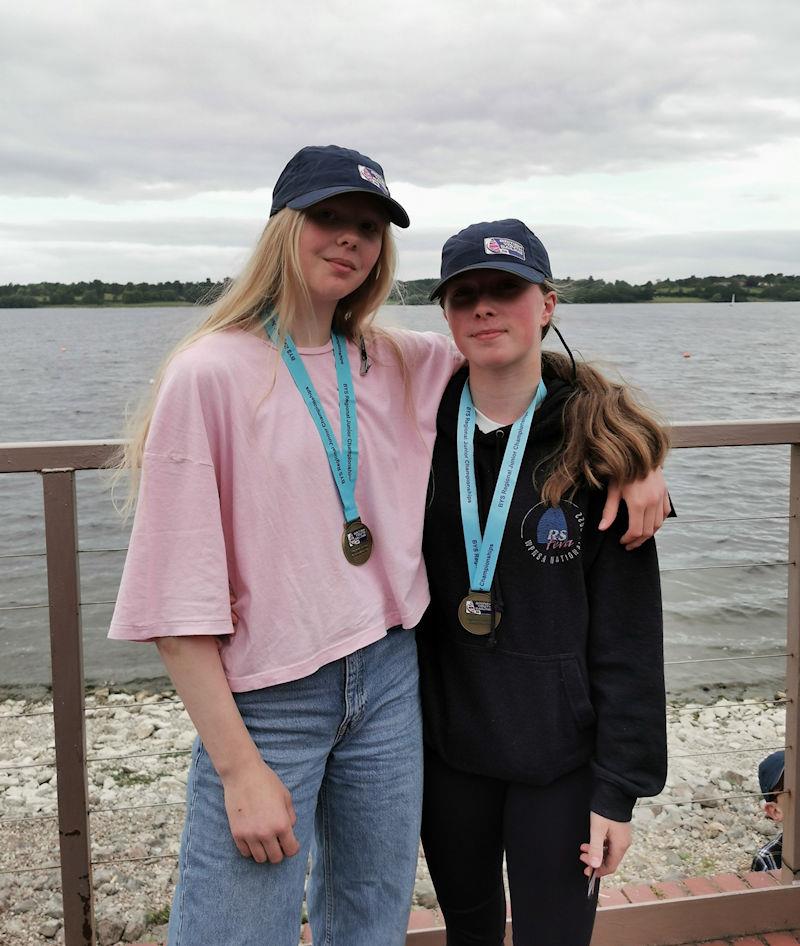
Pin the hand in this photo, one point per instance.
(260, 813)
(234, 615)
(608, 842)
(648, 505)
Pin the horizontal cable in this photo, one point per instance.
(705, 660)
(123, 549)
(687, 710)
(699, 568)
(100, 758)
(24, 555)
(97, 709)
(697, 755)
(130, 860)
(28, 818)
(31, 607)
(95, 811)
(24, 607)
(29, 870)
(137, 755)
(674, 523)
(695, 801)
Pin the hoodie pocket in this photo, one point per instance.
(521, 717)
(577, 692)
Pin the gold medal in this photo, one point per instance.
(475, 613)
(356, 542)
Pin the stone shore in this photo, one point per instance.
(715, 745)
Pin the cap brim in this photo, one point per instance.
(397, 215)
(532, 275)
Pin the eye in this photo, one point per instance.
(324, 215)
(461, 296)
(508, 287)
(371, 227)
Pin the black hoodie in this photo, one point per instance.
(574, 671)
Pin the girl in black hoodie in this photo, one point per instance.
(541, 655)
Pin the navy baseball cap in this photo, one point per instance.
(321, 171)
(770, 771)
(499, 244)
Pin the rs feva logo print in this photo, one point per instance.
(552, 534)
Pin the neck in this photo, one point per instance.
(314, 329)
(503, 394)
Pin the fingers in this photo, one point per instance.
(592, 853)
(635, 527)
(611, 507)
(648, 529)
(618, 844)
(288, 842)
(234, 615)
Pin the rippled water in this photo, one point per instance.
(69, 373)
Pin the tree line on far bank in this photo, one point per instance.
(773, 286)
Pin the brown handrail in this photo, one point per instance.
(659, 924)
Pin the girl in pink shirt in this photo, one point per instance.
(286, 456)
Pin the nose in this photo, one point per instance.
(484, 306)
(348, 235)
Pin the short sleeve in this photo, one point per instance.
(175, 580)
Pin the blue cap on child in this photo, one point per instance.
(770, 771)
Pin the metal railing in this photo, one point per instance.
(659, 924)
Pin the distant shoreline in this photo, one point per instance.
(658, 300)
(773, 287)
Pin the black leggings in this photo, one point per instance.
(469, 820)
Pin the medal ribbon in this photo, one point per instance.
(345, 471)
(483, 551)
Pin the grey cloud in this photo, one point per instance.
(112, 101)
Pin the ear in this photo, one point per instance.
(550, 300)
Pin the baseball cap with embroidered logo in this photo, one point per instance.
(507, 245)
(321, 171)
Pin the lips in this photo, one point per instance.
(341, 264)
(488, 334)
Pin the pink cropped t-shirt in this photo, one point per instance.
(236, 488)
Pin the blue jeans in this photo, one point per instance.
(347, 743)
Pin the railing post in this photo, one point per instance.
(66, 651)
(791, 834)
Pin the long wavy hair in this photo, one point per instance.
(271, 278)
(608, 432)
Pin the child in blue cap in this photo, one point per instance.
(770, 781)
(541, 653)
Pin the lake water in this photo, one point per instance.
(69, 373)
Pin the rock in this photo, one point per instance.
(135, 927)
(714, 829)
(49, 928)
(109, 930)
(426, 895)
(23, 906)
(144, 729)
(54, 909)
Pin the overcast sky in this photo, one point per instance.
(140, 141)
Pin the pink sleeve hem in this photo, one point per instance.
(145, 635)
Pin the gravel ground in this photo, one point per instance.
(678, 834)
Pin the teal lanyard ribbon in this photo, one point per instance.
(483, 551)
(344, 469)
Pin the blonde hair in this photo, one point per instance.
(272, 278)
